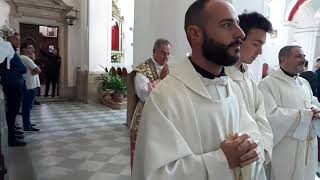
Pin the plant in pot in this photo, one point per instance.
(119, 86)
(105, 87)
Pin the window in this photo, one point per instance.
(48, 31)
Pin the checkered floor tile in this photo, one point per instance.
(76, 142)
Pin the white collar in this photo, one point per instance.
(158, 66)
(185, 72)
(235, 74)
(222, 81)
(281, 75)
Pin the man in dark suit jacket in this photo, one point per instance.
(311, 78)
(12, 82)
(317, 74)
(52, 71)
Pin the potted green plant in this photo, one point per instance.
(119, 86)
(105, 86)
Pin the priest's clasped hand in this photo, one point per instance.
(164, 71)
(316, 113)
(239, 150)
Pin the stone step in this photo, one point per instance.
(43, 99)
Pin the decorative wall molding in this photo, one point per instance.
(48, 9)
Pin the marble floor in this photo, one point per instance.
(76, 142)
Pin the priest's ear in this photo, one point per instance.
(195, 35)
(282, 60)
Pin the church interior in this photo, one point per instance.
(84, 132)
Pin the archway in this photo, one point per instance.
(305, 32)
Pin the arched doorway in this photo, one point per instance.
(306, 30)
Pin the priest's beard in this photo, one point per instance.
(218, 53)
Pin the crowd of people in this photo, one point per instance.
(205, 117)
(20, 83)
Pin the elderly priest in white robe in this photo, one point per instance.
(292, 113)
(195, 125)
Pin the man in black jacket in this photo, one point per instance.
(52, 71)
(12, 82)
(317, 74)
(311, 78)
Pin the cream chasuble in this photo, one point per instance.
(254, 101)
(287, 102)
(184, 121)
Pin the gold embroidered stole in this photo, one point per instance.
(148, 69)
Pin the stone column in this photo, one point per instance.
(100, 15)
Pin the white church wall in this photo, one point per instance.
(4, 12)
(280, 24)
(100, 13)
(249, 5)
(159, 19)
(155, 19)
(305, 33)
(127, 11)
(287, 32)
(99, 23)
(301, 31)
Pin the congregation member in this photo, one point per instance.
(31, 83)
(12, 82)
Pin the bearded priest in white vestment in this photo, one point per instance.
(292, 113)
(256, 27)
(195, 125)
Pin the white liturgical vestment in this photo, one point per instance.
(184, 121)
(254, 102)
(288, 101)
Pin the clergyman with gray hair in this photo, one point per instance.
(292, 111)
(142, 80)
